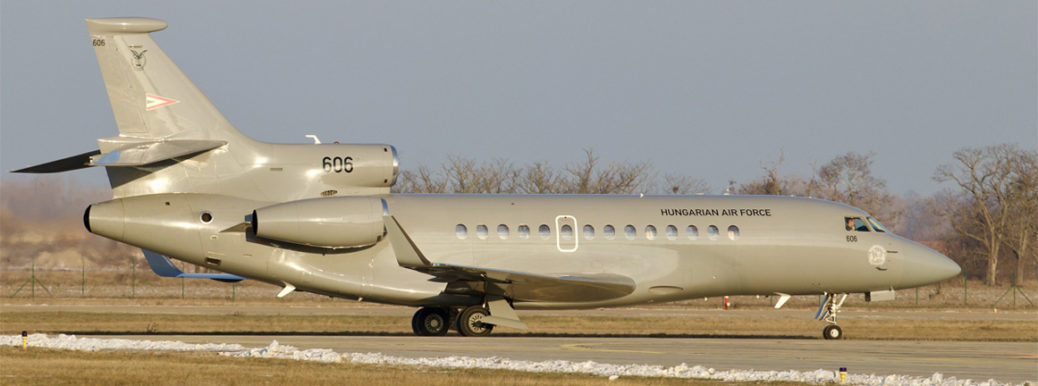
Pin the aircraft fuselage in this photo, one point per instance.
(671, 247)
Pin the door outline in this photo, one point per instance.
(565, 219)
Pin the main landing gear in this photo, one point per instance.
(431, 321)
(436, 321)
(827, 312)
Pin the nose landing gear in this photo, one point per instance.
(832, 331)
(827, 312)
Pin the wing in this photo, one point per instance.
(518, 286)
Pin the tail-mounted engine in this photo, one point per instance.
(333, 222)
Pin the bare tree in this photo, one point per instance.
(987, 179)
(958, 213)
(682, 184)
(771, 183)
(622, 178)
(848, 179)
(422, 181)
(466, 175)
(1022, 227)
(539, 178)
(920, 220)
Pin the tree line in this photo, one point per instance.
(988, 214)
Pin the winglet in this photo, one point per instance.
(407, 253)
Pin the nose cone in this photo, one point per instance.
(926, 266)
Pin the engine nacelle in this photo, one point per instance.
(332, 222)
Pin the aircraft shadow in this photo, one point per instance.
(376, 333)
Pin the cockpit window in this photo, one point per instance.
(876, 225)
(855, 224)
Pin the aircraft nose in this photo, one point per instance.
(927, 266)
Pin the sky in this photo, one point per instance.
(707, 89)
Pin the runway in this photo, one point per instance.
(1003, 361)
(1013, 362)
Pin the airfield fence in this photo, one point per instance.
(137, 282)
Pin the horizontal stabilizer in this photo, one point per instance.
(127, 154)
(78, 161)
(145, 153)
(163, 267)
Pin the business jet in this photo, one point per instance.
(320, 218)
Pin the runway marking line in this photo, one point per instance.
(587, 347)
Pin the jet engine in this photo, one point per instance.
(332, 222)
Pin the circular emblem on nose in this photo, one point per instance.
(877, 255)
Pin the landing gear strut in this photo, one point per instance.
(827, 312)
(430, 321)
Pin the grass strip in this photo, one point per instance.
(564, 326)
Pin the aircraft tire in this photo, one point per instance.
(833, 332)
(469, 322)
(430, 321)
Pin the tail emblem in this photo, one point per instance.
(154, 101)
(138, 59)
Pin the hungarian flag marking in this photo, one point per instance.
(154, 101)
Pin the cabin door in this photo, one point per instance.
(566, 233)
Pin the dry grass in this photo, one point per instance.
(540, 325)
(46, 366)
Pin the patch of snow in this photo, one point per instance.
(71, 342)
(612, 371)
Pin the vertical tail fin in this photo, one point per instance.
(173, 140)
(150, 96)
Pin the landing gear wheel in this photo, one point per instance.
(470, 322)
(832, 331)
(430, 321)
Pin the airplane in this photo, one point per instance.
(320, 218)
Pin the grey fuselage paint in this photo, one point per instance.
(780, 245)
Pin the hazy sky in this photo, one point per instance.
(707, 89)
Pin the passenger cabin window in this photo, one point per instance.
(733, 232)
(567, 232)
(461, 231)
(589, 232)
(502, 231)
(650, 232)
(481, 231)
(629, 232)
(672, 232)
(524, 231)
(609, 232)
(855, 224)
(876, 225)
(544, 231)
(692, 232)
(711, 232)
